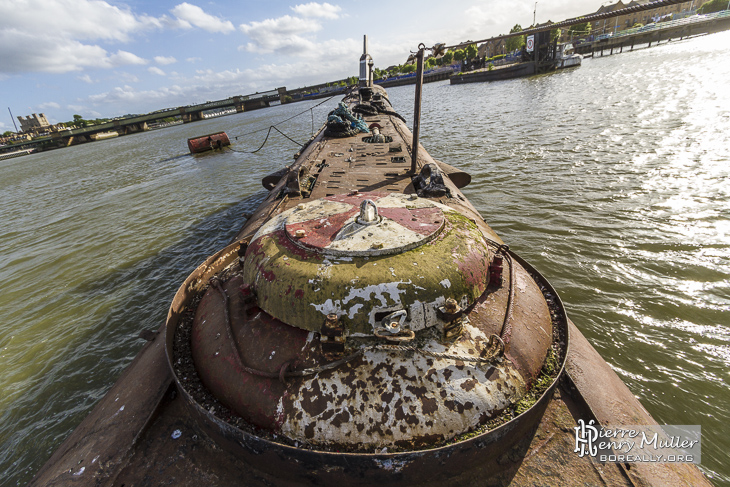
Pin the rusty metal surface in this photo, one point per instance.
(481, 453)
(382, 399)
(308, 262)
(174, 450)
(208, 142)
(301, 283)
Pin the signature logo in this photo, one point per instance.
(638, 443)
(586, 436)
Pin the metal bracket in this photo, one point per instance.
(332, 338)
(390, 324)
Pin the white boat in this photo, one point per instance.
(567, 57)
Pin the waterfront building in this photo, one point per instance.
(623, 22)
(32, 123)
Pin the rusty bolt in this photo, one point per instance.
(300, 233)
(451, 306)
(331, 320)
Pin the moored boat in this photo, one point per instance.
(366, 325)
(543, 56)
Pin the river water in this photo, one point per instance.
(611, 179)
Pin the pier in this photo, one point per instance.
(656, 33)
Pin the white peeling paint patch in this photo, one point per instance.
(310, 340)
(388, 387)
(341, 258)
(327, 307)
(176, 434)
(446, 283)
(353, 311)
(391, 465)
(521, 282)
(81, 470)
(379, 294)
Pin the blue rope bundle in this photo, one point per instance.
(344, 113)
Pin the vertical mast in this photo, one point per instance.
(366, 62)
(417, 108)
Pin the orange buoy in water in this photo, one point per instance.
(208, 142)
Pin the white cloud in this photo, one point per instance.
(125, 77)
(313, 9)
(125, 99)
(22, 51)
(193, 59)
(73, 19)
(85, 78)
(49, 104)
(53, 35)
(156, 70)
(283, 35)
(190, 16)
(164, 60)
(123, 57)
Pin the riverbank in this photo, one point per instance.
(17, 153)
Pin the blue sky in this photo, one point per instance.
(103, 58)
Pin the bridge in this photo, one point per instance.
(139, 123)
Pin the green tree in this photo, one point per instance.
(471, 51)
(579, 30)
(7, 133)
(459, 55)
(515, 42)
(712, 6)
(430, 62)
(448, 57)
(78, 121)
(555, 34)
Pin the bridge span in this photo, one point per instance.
(139, 123)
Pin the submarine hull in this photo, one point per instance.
(171, 419)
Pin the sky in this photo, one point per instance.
(106, 58)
